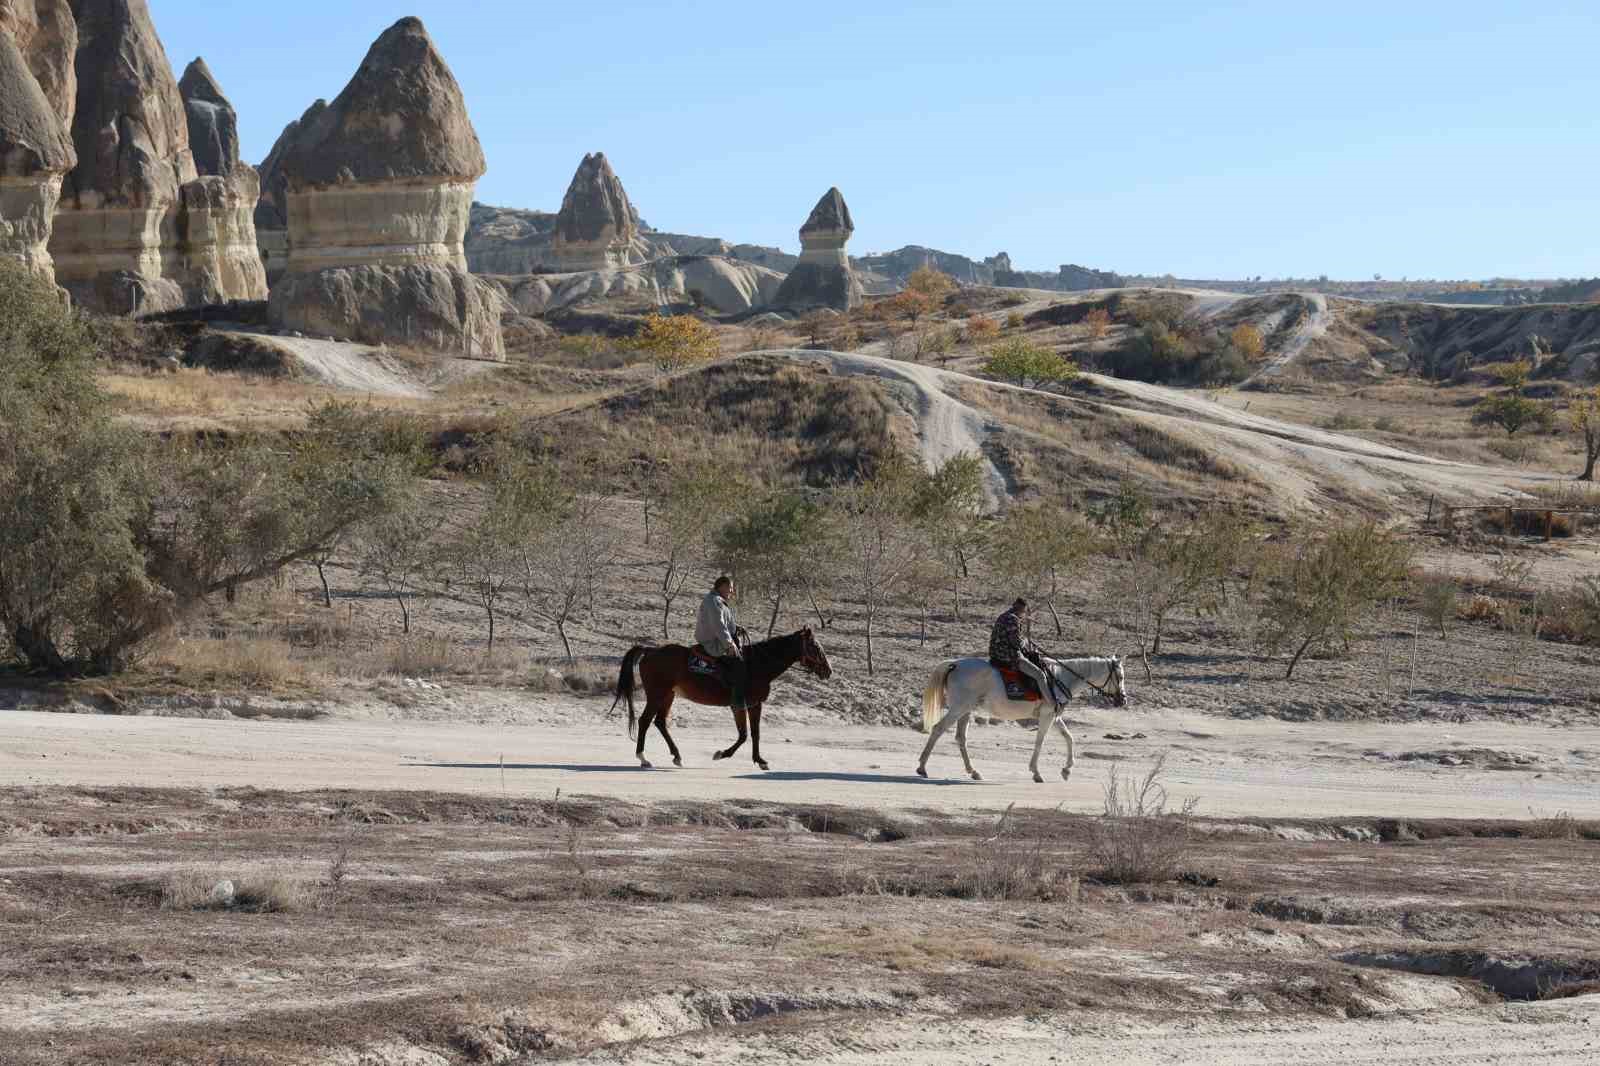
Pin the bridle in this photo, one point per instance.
(812, 657)
(1101, 689)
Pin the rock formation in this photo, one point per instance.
(723, 285)
(138, 228)
(377, 189)
(272, 210)
(116, 234)
(217, 221)
(823, 277)
(38, 40)
(596, 227)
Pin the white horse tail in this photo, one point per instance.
(933, 694)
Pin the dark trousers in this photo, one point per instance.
(736, 675)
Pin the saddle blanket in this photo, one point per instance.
(701, 663)
(1020, 688)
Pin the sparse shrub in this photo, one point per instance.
(1512, 413)
(1097, 323)
(1140, 839)
(1247, 341)
(1327, 582)
(1342, 423)
(1439, 597)
(930, 282)
(1014, 319)
(1013, 299)
(1386, 424)
(981, 329)
(760, 339)
(1007, 866)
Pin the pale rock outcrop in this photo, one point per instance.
(823, 277)
(217, 218)
(597, 227)
(38, 39)
(116, 236)
(272, 210)
(377, 188)
(725, 286)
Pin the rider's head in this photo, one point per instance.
(1021, 606)
(724, 587)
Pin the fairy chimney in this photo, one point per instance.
(38, 93)
(597, 227)
(822, 277)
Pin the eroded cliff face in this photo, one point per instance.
(38, 39)
(217, 216)
(374, 191)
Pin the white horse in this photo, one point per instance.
(960, 687)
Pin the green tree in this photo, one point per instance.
(949, 508)
(1186, 568)
(777, 548)
(1325, 583)
(1031, 546)
(1512, 410)
(1028, 365)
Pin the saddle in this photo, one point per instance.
(702, 663)
(1020, 688)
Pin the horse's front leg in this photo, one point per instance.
(961, 742)
(1066, 771)
(738, 720)
(661, 726)
(1046, 712)
(755, 737)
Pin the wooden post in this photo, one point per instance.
(1430, 510)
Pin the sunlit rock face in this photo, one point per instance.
(116, 234)
(38, 93)
(218, 232)
(375, 190)
(597, 227)
(823, 277)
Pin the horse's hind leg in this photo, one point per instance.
(644, 731)
(1066, 771)
(961, 742)
(661, 727)
(739, 719)
(933, 738)
(755, 737)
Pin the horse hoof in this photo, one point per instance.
(922, 771)
(1038, 779)
(644, 764)
(977, 776)
(763, 766)
(677, 761)
(1066, 773)
(718, 756)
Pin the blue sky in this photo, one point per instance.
(1414, 139)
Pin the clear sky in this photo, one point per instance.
(1407, 138)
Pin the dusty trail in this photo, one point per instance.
(1300, 464)
(1564, 1033)
(1313, 326)
(1243, 768)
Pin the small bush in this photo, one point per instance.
(1481, 608)
(1438, 597)
(1006, 866)
(1138, 839)
(1343, 423)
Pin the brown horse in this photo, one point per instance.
(666, 676)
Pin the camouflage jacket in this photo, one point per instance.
(1006, 642)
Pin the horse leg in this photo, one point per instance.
(755, 737)
(1066, 771)
(961, 741)
(739, 719)
(644, 731)
(661, 727)
(933, 738)
(1046, 713)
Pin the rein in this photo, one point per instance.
(1098, 688)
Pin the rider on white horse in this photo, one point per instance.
(1010, 647)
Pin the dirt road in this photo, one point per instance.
(1253, 768)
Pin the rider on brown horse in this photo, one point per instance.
(716, 629)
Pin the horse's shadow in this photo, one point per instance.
(580, 768)
(859, 779)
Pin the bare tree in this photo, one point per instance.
(562, 566)
(397, 550)
(878, 535)
(686, 507)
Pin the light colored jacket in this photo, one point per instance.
(714, 626)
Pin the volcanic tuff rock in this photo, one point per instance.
(377, 187)
(217, 223)
(823, 277)
(596, 227)
(272, 210)
(726, 286)
(38, 39)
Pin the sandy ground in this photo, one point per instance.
(1249, 768)
(1514, 1035)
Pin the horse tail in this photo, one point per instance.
(625, 683)
(933, 694)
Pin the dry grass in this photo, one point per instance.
(267, 893)
(1139, 839)
(256, 663)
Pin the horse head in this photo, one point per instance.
(1117, 686)
(812, 657)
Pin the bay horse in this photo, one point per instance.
(665, 674)
(960, 687)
